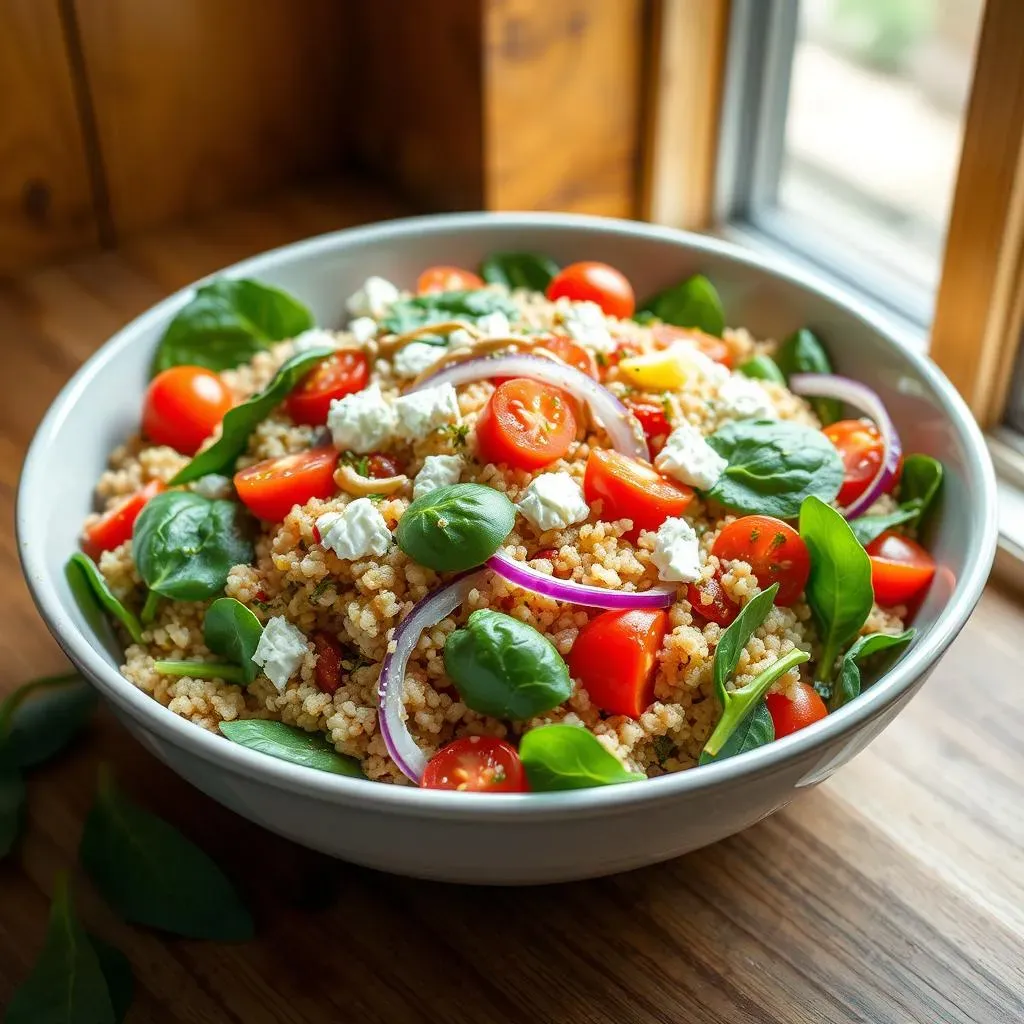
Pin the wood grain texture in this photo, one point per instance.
(45, 200)
(893, 893)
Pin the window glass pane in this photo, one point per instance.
(874, 122)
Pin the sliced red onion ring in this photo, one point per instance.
(607, 409)
(577, 593)
(402, 748)
(861, 397)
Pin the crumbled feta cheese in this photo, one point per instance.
(373, 299)
(363, 329)
(425, 411)
(712, 371)
(494, 325)
(437, 471)
(412, 359)
(460, 338)
(315, 337)
(362, 421)
(585, 323)
(554, 501)
(676, 552)
(742, 398)
(280, 651)
(214, 486)
(690, 459)
(355, 533)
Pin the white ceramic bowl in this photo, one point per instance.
(507, 838)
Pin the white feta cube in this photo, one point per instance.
(676, 552)
(214, 486)
(363, 329)
(315, 337)
(373, 299)
(554, 501)
(494, 325)
(280, 651)
(423, 412)
(586, 324)
(362, 421)
(412, 359)
(742, 398)
(437, 471)
(688, 458)
(357, 532)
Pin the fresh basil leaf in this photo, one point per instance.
(185, 545)
(227, 322)
(455, 527)
(754, 731)
(762, 367)
(41, 718)
(152, 875)
(12, 805)
(867, 528)
(774, 465)
(920, 482)
(233, 632)
(802, 352)
(692, 303)
(437, 307)
(736, 637)
(67, 984)
(243, 419)
(557, 757)
(839, 586)
(519, 270)
(93, 595)
(504, 668)
(117, 972)
(848, 685)
(311, 750)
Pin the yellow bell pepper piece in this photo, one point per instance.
(665, 370)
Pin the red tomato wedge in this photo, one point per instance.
(271, 488)
(113, 528)
(337, 376)
(653, 422)
(901, 570)
(721, 608)
(614, 658)
(183, 406)
(447, 279)
(633, 490)
(594, 282)
(772, 549)
(328, 660)
(861, 448)
(525, 424)
(790, 715)
(569, 352)
(476, 764)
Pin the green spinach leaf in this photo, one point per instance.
(774, 465)
(754, 731)
(802, 352)
(117, 972)
(919, 486)
(12, 805)
(848, 684)
(736, 637)
(41, 718)
(519, 270)
(242, 420)
(233, 632)
(504, 668)
(152, 875)
(67, 984)
(762, 367)
(408, 314)
(455, 527)
(311, 750)
(867, 528)
(93, 595)
(692, 303)
(558, 757)
(227, 322)
(839, 587)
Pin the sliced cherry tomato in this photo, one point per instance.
(447, 279)
(772, 549)
(380, 467)
(476, 764)
(901, 569)
(569, 352)
(614, 658)
(271, 488)
(790, 715)
(861, 447)
(337, 376)
(183, 405)
(653, 422)
(526, 424)
(549, 553)
(594, 282)
(328, 660)
(633, 490)
(721, 608)
(714, 348)
(113, 528)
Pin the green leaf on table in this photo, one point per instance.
(691, 303)
(557, 757)
(117, 972)
(227, 322)
(39, 719)
(12, 806)
(232, 631)
(762, 367)
(150, 874)
(848, 684)
(288, 743)
(530, 270)
(94, 597)
(437, 307)
(802, 352)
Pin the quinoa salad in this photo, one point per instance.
(508, 530)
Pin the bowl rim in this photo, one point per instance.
(153, 717)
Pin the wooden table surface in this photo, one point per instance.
(892, 893)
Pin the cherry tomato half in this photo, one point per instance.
(900, 569)
(447, 279)
(633, 490)
(271, 488)
(526, 424)
(861, 448)
(113, 528)
(337, 376)
(380, 467)
(653, 422)
(476, 764)
(182, 407)
(714, 348)
(772, 549)
(594, 282)
(790, 715)
(328, 660)
(569, 352)
(614, 658)
(720, 607)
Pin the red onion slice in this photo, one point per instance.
(616, 419)
(402, 748)
(577, 593)
(861, 397)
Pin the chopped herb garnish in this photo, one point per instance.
(663, 747)
(458, 433)
(666, 405)
(601, 358)
(321, 588)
